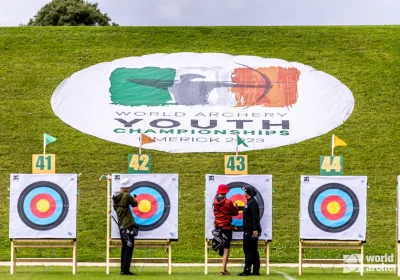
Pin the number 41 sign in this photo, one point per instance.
(330, 165)
(44, 164)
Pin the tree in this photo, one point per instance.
(70, 13)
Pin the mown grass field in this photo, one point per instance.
(44, 273)
(33, 61)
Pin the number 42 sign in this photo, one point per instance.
(139, 163)
(330, 165)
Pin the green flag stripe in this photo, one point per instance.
(49, 139)
(240, 141)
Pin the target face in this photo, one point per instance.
(153, 205)
(333, 207)
(236, 195)
(43, 206)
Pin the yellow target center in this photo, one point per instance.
(333, 207)
(239, 203)
(43, 205)
(144, 206)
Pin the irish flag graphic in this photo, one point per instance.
(243, 87)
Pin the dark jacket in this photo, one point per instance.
(251, 216)
(223, 212)
(122, 204)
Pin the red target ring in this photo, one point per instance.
(339, 202)
(47, 199)
(239, 197)
(143, 201)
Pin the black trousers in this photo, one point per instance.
(252, 257)
(126, 253)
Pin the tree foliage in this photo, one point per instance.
(70, 13)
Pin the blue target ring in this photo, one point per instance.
(345, 212)
(153, 205)
(236, 193)
(43, 205)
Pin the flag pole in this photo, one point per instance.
(237, 147)
(140, 147)
(44, 144)
(333, 143)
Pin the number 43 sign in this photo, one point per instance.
(330, 165)
(236, 165)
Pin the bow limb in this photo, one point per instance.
(268, 84)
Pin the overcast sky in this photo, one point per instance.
(226, 12)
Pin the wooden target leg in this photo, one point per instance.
(398, 259)
(13, 261)
(169, 258)
(362, 260)
(206, 257)
(108, 257)
(75, 258)
(108, 228)
(267, 259)
(300, 258)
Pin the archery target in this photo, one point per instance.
(43, 206)
(333, 207)
(236, 195)
(263, 186)
(153, 205)
(157, 211)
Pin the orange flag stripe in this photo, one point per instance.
(146, 139)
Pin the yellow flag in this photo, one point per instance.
(146, 139)
(338, 142)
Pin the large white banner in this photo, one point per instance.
(333, 207)
(199, 102)
(43, 206)
(157, 210)
(263, 185)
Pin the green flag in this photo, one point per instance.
(48, 139)
(240, 141)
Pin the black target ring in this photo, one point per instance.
(45, 190)
(150, 192)
(236, 193)
(333, 192)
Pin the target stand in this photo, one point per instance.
(333, 217)
(331, 245)
(43, 243)
(43, 215)
(113, 243)
(262, 244)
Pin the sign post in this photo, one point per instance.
(331, 165)
(139, 163)
(44, 164)
(236, 165)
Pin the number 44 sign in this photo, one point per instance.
(330, 165)
(44, 164)
(236, 165)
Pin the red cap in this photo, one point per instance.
(222, 189)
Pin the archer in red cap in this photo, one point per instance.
(224, 210)
(222, 189)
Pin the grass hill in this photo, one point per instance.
(33, 61)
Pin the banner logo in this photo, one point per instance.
(199, 102)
